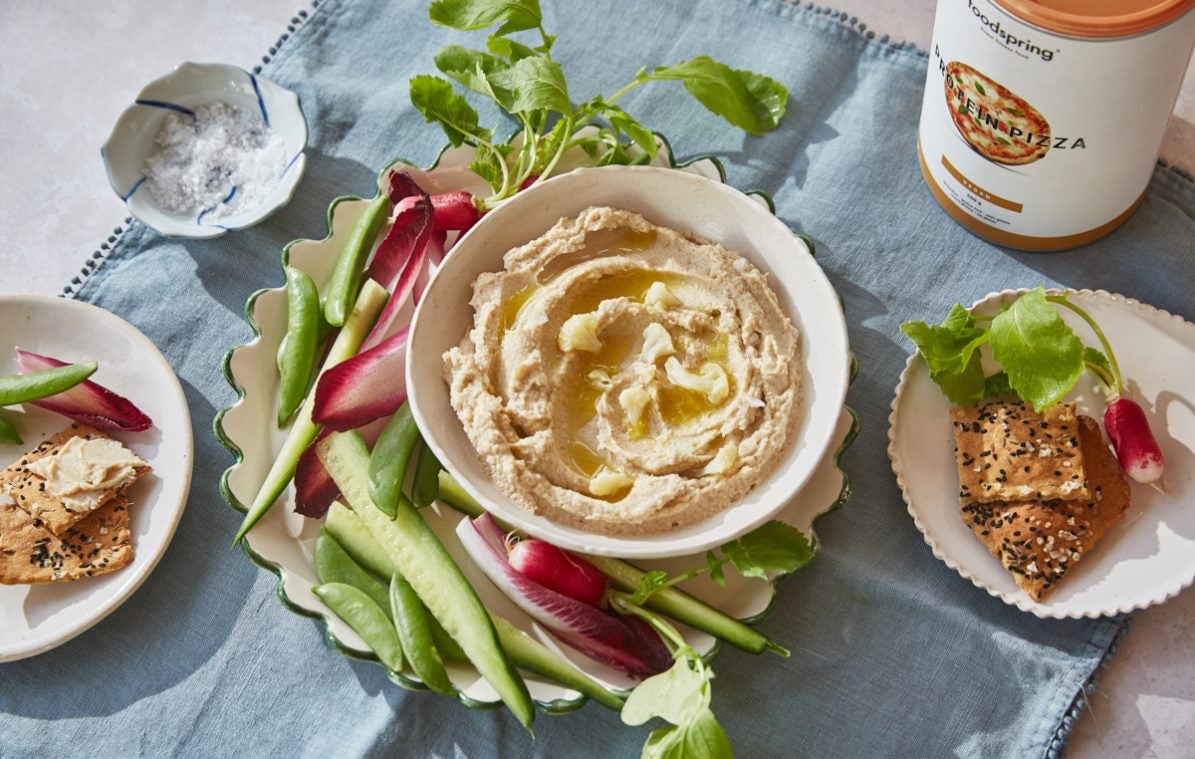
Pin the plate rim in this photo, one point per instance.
(554, 706)
(1019, 598)
(124, 591)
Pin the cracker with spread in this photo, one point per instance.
(1040, 541)
(64, 508)
(1008, 452)
(70, 475)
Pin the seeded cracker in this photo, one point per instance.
(28, 489)
(29, 553)
(1008, 452)
(1039, 542)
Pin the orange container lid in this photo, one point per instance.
(1098, 18)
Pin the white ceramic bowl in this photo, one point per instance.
(188, 86)
(669, 198)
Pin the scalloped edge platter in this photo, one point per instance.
(1149, 557)
(283, 541)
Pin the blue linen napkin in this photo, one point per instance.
(893, 653)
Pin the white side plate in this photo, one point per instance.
(1146, 559)
(36, 618)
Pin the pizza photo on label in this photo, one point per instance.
(998, 124)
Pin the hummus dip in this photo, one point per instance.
(624, 378)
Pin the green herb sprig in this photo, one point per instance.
(524, 81)
(772, 548)
(681, 695)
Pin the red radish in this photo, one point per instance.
(366, 387)
(452, 211)
(532, 179)
(558, 570)
(1133, 442)
(1128, 429)
(634, 649)
(88, 402)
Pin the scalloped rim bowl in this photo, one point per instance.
(684, 202)
(187, 86)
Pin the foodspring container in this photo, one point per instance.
(1042, 120)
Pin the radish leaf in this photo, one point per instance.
(467, 15)
(1040, 353)
(772, 547)
(439, 103)
(750, 101)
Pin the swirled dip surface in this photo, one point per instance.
(625, 379)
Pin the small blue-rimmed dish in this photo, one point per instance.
(190, 86)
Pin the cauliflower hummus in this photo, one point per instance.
(625, 379)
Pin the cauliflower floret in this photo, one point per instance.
(711, 381)
(579, 333)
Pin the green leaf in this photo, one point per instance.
(702, 737)
(717, 574)
(467, 15)
(474, 70)
(509, 49)
(771, 547)
(1015, 112)
(1099, 365)
(1002, 141)
(997, 386)
(537, 84)
(678, 695)
(947, 349)
(1038, 350)
(487, 166)
(979, 87)
(439, 103)
(651, 582)
(623, 122)
(951, 351)
(748, 100)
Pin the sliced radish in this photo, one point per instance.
(598, 634)
(399, 293)
(366, 387)
(88, 402)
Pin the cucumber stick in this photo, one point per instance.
(346, 528)
(303, 430)
(418, 555)
(669, 601)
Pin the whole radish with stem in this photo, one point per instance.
(1124, 419)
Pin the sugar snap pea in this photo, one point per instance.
(8, 431)
(426, 486)
(333, 564)
(367, 620)
(389, 458)
(410, 620)
(303, 430)
(346, 277)
(296, 353)
(22, 388)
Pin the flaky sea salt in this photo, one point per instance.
(217, 163)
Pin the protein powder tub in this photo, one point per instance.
(1042, 120)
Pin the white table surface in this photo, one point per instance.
(67, 69)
